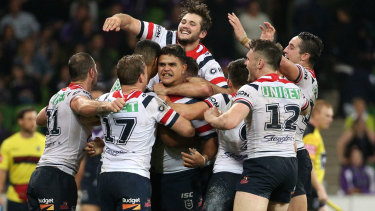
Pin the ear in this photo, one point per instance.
(202, 34)
(184, 69)
(260, 63)
(305, 56)
(230, 85)
(91, 72)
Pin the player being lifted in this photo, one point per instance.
(129, 137)
(193, 27)
(52, 184)
(270, 107)
(175, 186)
(232, 143)
(301, 54)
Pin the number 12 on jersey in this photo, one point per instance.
(289, 124)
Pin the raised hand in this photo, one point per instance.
(268, 33)
(112, 24)
(238, 29)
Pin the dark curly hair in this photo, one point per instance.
(199, 8)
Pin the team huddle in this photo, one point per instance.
(178, 133)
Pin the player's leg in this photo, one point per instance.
(277, 206)
(52, 188)
(303, 187)
(181, 191)
(247, 201)
(298, 203)
(221, 191)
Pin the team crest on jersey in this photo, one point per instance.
(244, 180)
(189, 204)
(157, 32)
(213, 70)
(161, 108)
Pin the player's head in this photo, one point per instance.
(195, 22)
(237, 73)
(304, 48)
(192, 67)
(172, 65)
(82, 66)
(131, 69)
(150, 51)
(26, 118)
(322, 114)
(263, 54)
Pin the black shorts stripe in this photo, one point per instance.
(169, 37)
(147, 100)
(173, 120)
(226, 98)
(205, 60)
(142, 29)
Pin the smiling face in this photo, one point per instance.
(292, 51)
(170, 70)
(189, 29)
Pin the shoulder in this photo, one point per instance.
(39, 136)
(10, 140)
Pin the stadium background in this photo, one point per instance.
(33, 67)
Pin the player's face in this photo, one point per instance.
(189, 29)
(292, 50)
(28, 122)
(170, 70)
(325, 117)
(250, 63)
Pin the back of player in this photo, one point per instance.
(232, 145)
(52, 185)
(129, 136)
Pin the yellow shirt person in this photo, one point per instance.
(19, 155)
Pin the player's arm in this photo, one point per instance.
(189, 111)
(187, 89)
(41, 118)
(124, 22)
(3, 176)
(183, 127)
(172, 139)
(89, 121)
(215, 88)
(229, 119)
(86, 107)
(289, 69)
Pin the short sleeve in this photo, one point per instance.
(212, 72)
(160, 110)
(4, 156)
(247, 95)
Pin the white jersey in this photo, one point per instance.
(275, 105)
(66, 136)
(209, 68)
(232, 143)
(308, 84)
(168, 159)
(130, 134)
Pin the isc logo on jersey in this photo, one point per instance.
(46, 204)
(131, 204)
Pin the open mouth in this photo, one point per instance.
(166, 75)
